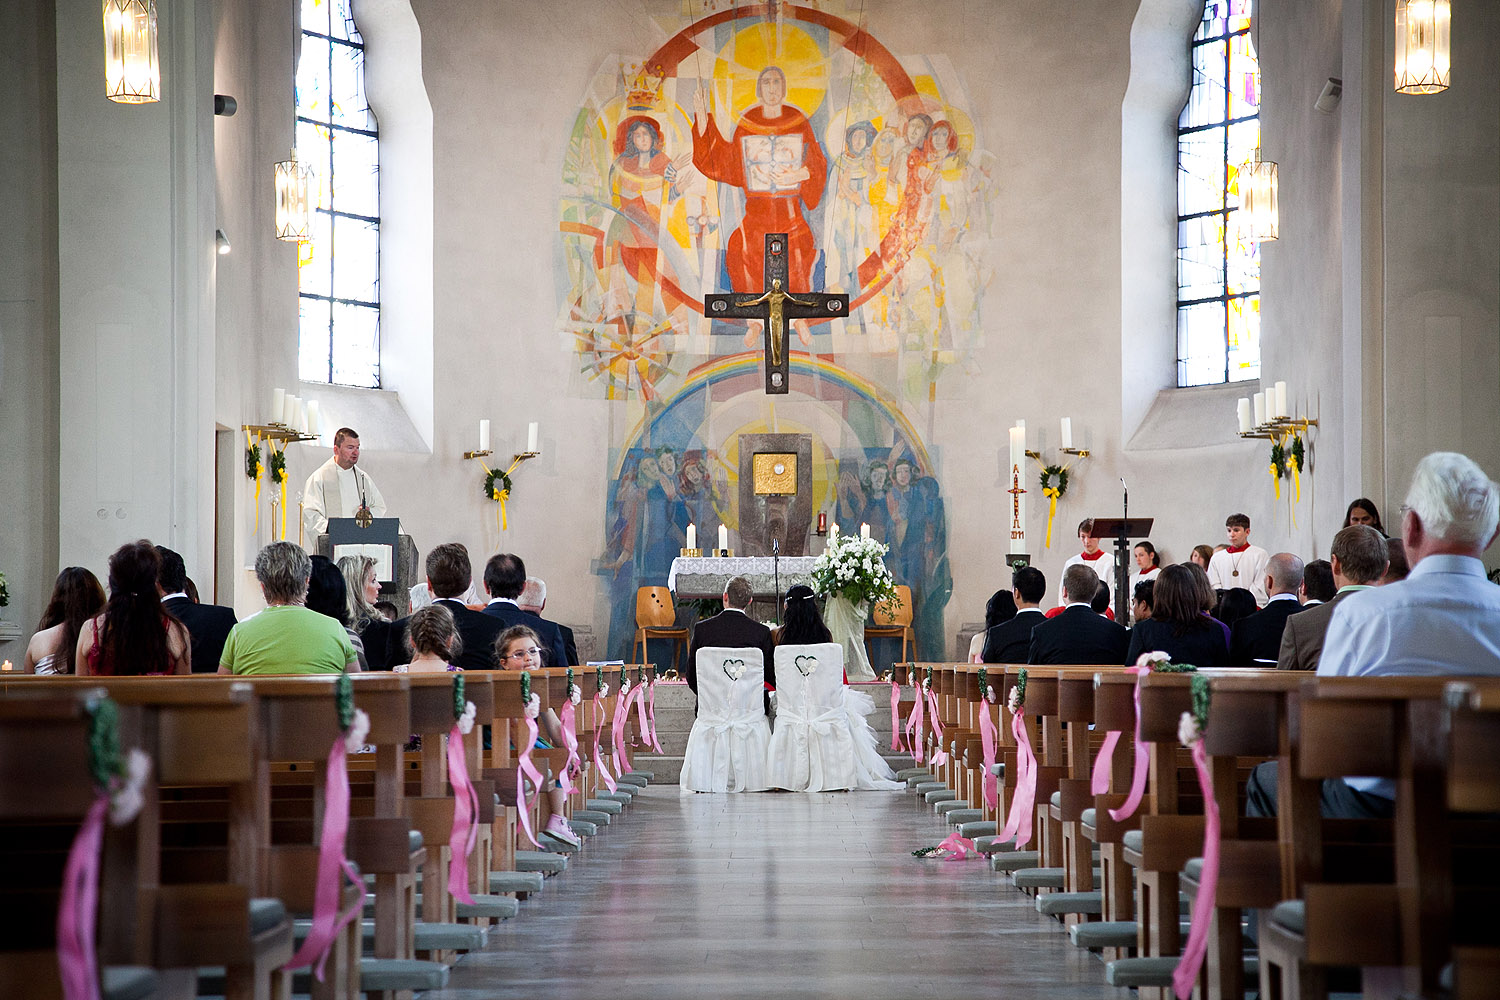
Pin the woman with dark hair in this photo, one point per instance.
(999, 609)
(327, 594)
(803, 624)
(1178, 625)
(134, 635)
(1363, 511)
(1235, 604)
(1202, 555)
(1147, 564)
(76, 597)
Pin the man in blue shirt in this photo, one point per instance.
(1442, 619)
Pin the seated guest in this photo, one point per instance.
(327, 595)
(1255, 640)
(448, 576)
(76, 597)
(1142, 600)
(420, 596)
(1201, 556)
(287, 637)
(1234, 605)
(1317, 583)
(1398, 567)
(533, 601)
(1443, 619)
(1240, 564)
(519, 648)
(1178, 625)
(387, 610)
(1010, 642)
(504, 580)
(734, 628)
(1092, 555)
(1359, 558)
(134, 634)
(431, 641)
(1147, 563)
(999, 609)
(361, 591)
(208, 624)
(1078, 635)
(1100, 603)
(1362, 511)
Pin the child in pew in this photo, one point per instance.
(432, 642)
(518, 648)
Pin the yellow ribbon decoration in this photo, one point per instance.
(248, 445)
(283, 504)
(1051, 493)
(504, 519)
(1275, 480)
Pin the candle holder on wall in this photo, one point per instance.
(279, 432)
(477, 454)
(1279, 427)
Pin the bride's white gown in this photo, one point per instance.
(822, 740)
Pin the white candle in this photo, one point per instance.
(864, 531)
(1067, 432)
(723, 537)
(1014, 483)
(1243, 411)
(278, 397)
(833, 531)
(531, 439)
(312, 416)
(692, 532)
(484, 435)
(1281, 399)
(301, 415)
(1258, 404)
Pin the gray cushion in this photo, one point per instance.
(540, 861)
(622, 793)
(391, 974)
(1009, 861)
(583, 827)
(1109, 934)
(598, 817)
(951, 805)
(266, 914)
(1057, 799)
(445, 937)
(1133, 840)
(414, 840)
(907, 773)
(515, 882)
(127, 982)
(1194, 869)
(1139, 972)
(605, 806)
(489, 907)
(648, 775)
(1056, 903)
(998, 769)
(962, 817)
(923, 787)
(1039, 878)
(551, 843)
(979, 828)
(1291, 915)
(944, 794)
(1087, 817)
(638, 780)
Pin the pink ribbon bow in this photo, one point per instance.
(465, 832)
(987, 736)
(1142, 764)
(569, 718)
(939, 755)
(526, 769)
(327, 921)
(914, 724)
(79, 905)
(896, 742)
(1196, 948)
(599, 762)
(643, 721)
(651, 736)
(1019, 824)
(617, 730)
(958, 847)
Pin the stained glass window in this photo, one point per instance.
(339, 270)
(1218, 267)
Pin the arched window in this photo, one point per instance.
(1218, 269)
(339, 270)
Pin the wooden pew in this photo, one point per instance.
(1472, 723)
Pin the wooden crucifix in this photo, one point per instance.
(774, 307)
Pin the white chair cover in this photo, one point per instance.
(823, 740)
(727, 746)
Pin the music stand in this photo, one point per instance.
(382, 531)
(1122, 530)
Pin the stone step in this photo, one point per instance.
(667, 768)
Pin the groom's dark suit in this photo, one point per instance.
(733, 629)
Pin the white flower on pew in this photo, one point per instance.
(466, 721)
(533, 709)
(1014, 701)
(989, 693)
(1151, 659)
(576, 695)
(625, 686)
(1188, 730)
(603, 690)
(359, 728)
(127, 796)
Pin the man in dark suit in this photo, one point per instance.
(1078, 634)
(733, 628)
(448, 576)
(504, 579)
(1359, 558)
(1010, 642)
(208, 625)
(1256, 639)
(533, 601)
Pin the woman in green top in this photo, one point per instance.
(286, 638)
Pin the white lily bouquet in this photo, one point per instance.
(854, 568)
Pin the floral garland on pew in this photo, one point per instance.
(1190, 731)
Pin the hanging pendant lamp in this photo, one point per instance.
(1259, 211)
(293, 209)
(1422, 49)
(132, 73)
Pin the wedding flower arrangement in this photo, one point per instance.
(854, 568)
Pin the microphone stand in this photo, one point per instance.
(1122, 550)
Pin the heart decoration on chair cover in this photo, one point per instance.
(806, 665)
(734, 669)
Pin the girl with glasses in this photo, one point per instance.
(518, 648)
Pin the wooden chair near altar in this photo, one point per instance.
(889, 621)
(656, 618)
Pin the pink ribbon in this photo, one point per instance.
(958, 847)
(939, 755)
(896, 742)
(79, 906)
(599, 762)
(914, 724)
(1138, 778)
(1104, 763)
(327, 921)
(643, 722)
(569, 718)
(465, 833)
(987, 736)
(652, 738)
(526, 769)
(1191, 963)
(617, 730)
(1018, 824)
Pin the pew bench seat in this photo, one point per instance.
(540, 861)
(597, 817)
(137, 982)
(1154, 972)
(517, 882)
(1109, 934)
(610, 807)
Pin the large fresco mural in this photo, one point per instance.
(773, 118)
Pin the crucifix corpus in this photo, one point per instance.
(774, 307)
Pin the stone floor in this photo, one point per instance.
(776, 895)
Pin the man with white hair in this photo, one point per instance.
(533, 600)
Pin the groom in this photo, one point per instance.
(733, 628)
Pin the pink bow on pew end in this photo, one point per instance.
(465, 832)
(896, 742)
(569, 718)
(652, 738)
(1018, 824)
(914, 724)
(1104, 765)
(987, 735)
(617, 730)
(79, 906)
(526, 769)
(599, 762)
(327, 921)
(939, 755)
(1196, 949)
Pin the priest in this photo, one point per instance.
(338, 488)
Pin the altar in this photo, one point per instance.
(694, 579)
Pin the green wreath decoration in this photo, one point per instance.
(495, 483)
(252, 461)
(1278, 459)
(1061, 472)
(278, 466)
